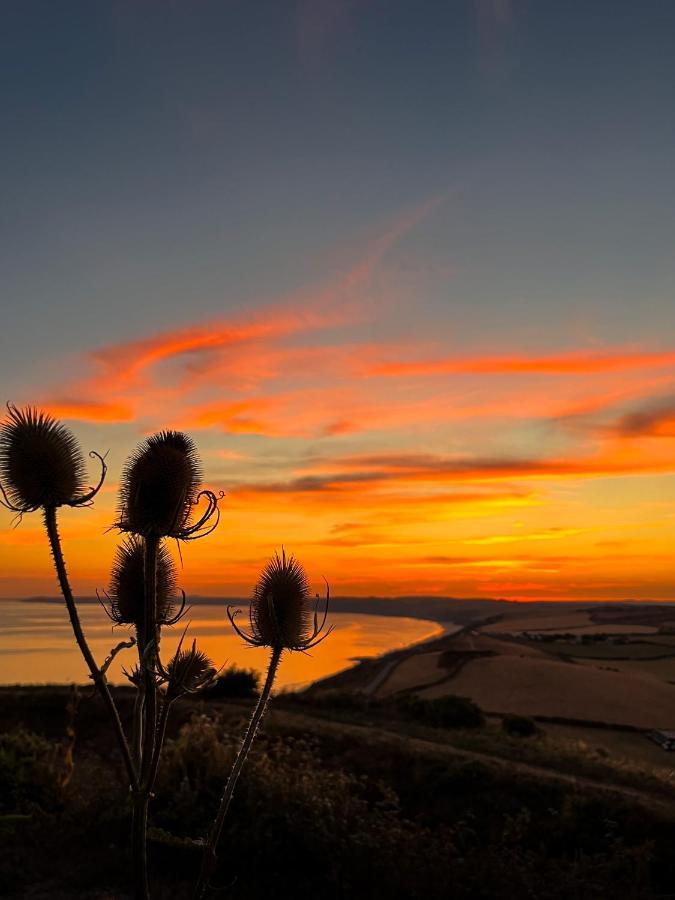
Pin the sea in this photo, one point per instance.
(37, 645)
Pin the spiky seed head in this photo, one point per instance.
(159, 487)
(280, 607)
(41, 464)
(126, 596)
(189, 671)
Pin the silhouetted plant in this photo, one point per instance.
(42, 467)
(283, 617)
(159, 491)
(126, 595)
(41, 464)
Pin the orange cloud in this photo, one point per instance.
(572, 363)
(408, 467)
(126, 372)
(654, 419)
(90, 411)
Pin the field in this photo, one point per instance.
(660, 669)
(635, 650)
(620, 746)
(624, 681)
(547, 687)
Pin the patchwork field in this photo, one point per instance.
(416, 671)
(660, 669)
(548, 687)
(544, 620)
(628, 684)
(635, 650)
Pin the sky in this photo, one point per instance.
(403, 270)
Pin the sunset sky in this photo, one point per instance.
(404, 270)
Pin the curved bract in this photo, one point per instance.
(283, 615)
(125, 599)
(188, 671)
(41, 463)
(160, 489)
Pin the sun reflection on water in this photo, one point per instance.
(37, 645)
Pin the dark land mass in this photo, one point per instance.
(361, 786)
(459, 610)
(343, 797)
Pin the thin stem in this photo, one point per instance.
(209, 859)
(139, 828)
(149, 726)
(161, 731)
(137, 728)
(150, 652)
(96, 674)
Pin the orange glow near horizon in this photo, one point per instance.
(386, 465)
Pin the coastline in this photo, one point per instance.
(37, 646)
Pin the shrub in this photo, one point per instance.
(442, 712)
(29, 775)
(235, 683)
(519, 726)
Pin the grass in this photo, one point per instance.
(342, 798)
(323, 813)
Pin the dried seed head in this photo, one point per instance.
(160, 487)
(126, 596)
(280, 605)
(189, 671)
(41, 463)
(282, 614)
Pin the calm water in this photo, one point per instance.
(37, 645)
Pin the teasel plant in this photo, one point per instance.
(124, 604)
(284, 618)
(42, 467)
(160, 498)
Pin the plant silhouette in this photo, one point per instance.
(161, 497)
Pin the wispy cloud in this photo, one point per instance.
(574, 362)
(656, 418)
(172, 365)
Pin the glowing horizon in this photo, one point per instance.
(369, 471)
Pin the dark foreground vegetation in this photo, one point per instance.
(318, 813)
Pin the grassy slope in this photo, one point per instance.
(478, 783)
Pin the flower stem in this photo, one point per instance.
(209, 859)
(97, 676)
(150, 652)
(161, 731)
(139, 828)
(149, 726)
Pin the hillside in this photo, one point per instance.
(339, 799)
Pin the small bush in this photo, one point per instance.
(443, 712)
(29, 776)
(332, 699)
(234, 683)
(519, 726)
